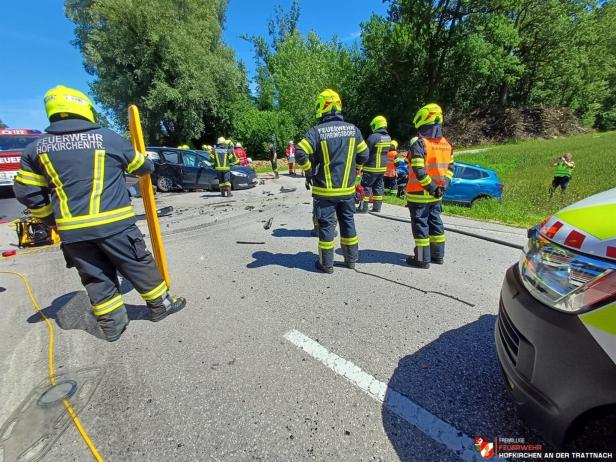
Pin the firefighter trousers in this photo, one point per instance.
(374, 186)
(98, 262)
(327, 210)
(224, 178)
(428, 231)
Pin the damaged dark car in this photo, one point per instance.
(183, 169)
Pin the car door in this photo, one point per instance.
(168, 164)
(190, 169)
(464, 184)
(207, 174)
(454, 191)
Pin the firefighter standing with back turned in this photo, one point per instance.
(224, 157)
(336, 147)
(73, 178)
(379, 144)
(431, 170)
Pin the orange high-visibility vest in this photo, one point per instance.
(437, 160)
(391, 168)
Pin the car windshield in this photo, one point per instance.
(11, 142)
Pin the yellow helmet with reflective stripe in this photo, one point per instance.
(64, 101)
(221, 140)
(394, 144)
(327, 101)
(378, 122)
(429, 114)
(183, 146)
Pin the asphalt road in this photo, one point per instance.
(272, 360)
(9, 207)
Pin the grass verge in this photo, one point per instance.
(526, 171)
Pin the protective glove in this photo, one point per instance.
(438, 192)
(308, 181)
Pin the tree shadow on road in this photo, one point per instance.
(300, 260)
(282, 232)
(458, 379)
(73, 311)
(379, 256)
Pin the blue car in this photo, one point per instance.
(471, 183)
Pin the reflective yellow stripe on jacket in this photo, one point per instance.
(378, 167)
(95, 219)
(65, 211)
(349, 161)
(98, 177)
(136, 163)
(421, 198)
(326, 167)
(332, 192)
(31, 178)
(42, 212)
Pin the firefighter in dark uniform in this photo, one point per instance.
(379, 144)
(73, 178)
(224, 158)
(431, 160)
(336, 148)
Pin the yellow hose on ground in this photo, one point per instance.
(52, 374)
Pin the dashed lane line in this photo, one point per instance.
(438, 430)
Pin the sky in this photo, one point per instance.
(37, 53)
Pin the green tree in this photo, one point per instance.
(167, 57)
(255, 128)
(293, 69)
(3, 125)
(467, 54)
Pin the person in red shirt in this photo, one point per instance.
(241, 154)
(291, 157)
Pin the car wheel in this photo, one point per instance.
(477, 199)
(164, 184)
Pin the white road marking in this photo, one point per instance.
(429, 424)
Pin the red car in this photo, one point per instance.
(12, 143)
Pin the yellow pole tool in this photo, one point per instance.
(145, 186)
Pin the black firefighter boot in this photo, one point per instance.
(325, 263)
(437, 252)
(164, 306)
(351, 255)
(376, 206)
(363, 208)
(113, 324)
(229, 193)
(223, 191)
(421, 259)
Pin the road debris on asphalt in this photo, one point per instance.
(268, 223)
(164, 211)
